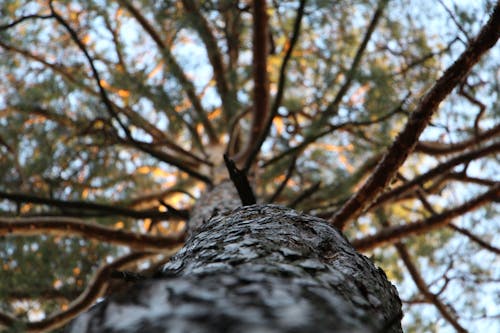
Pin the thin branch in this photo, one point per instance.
(445, 311)
(111, 110)
(214, 56)
(175, 68)
(95, 289)
(475, 239)
(261, 131)
(436, 171)
(306, 194)
(330, 129)
(419, 119)
(333, 106)
(81, 207)
(438, 148)
(393, 234)
(282, 186)
(25, 18)
(76, 227)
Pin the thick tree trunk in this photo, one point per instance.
(260, 268)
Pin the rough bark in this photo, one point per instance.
(259, 268)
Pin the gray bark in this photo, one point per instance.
(260, 268)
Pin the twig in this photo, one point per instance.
(422, 286)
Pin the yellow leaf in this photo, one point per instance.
(119, 225)
(76, 271)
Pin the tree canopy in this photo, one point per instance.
(379, 116)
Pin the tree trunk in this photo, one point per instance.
(259, 268)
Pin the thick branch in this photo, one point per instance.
(419, 119)
(393, 234)
(257, 141)
(76, 227)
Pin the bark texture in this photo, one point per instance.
(259, 268)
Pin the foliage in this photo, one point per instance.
(117, 113)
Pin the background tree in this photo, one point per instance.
(115, 115)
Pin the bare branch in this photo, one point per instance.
(266, 122)
(83, 207)
(214, 56)
(393, 234)
(419, 119)
(76, 227)
(333, 106)
(422, 287)
(25, 18)
(438, 170)
(282, 186)
(437, 148)
(94, 290)
(176, 69)
(475, 239)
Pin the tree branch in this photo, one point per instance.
(419, 119)
(424, 290)
(214, 56)
(438, 148)
(393, 234)
(24, 18)
(266, 123)
(475, 239)
(436, 171)
(175, 68)
(241, 182)
(76, 227)
(79, 206)
(333, 106)
(94, 290)
(281, 187)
